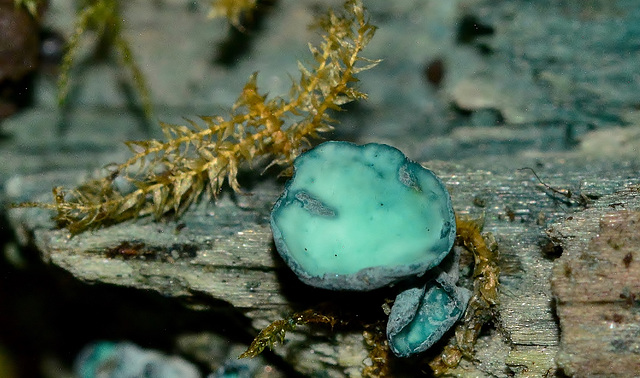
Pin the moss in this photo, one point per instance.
(168, 175)
(484, 304)
(232, 10)
(32, 6)
(276, 331)
(105, 18)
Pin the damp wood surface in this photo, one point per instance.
(221, 255)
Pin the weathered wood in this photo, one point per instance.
(597, 286)
(223, 250)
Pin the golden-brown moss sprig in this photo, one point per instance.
(168, 175)
(375, 339)
(276, 331)
(32, 6)
(233, 10)
(484, 303)
(105, 18)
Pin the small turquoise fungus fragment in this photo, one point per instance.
(361, 217)
(422, 314)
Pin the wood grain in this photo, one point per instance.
(223, 252)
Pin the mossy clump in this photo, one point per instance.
(484, 304)
(233, 10)
(106, 19)
(32, 6)
(167, 175)
(276, 331)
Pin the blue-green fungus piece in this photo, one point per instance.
(421, 315)
(92, 357)
(361, 217)
(124, 359)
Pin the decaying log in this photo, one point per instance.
(222, 252)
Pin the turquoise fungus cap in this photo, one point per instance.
(361, 217)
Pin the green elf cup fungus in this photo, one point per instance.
(361, 217)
